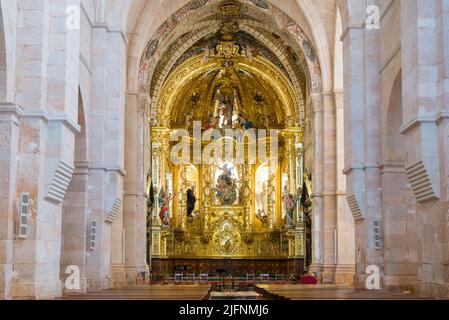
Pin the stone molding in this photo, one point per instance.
(117, 169)
(82, 167)
(114, 213)
(358, 166)
(11, 109)
(392, 167)
(135, 194)
(60, 183)
(354, 207)
(67, 122)
(8, 108)
(421, 173)
(421, 183)
(101, 25)
(359, 26)
(419, 119)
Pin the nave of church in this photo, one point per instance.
(262, 292)
(153, 149)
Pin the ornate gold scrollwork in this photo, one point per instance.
(227, 49)
(227, 240)
(195, 90)
(230, 8)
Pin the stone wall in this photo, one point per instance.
(73, 126)
(62, 137)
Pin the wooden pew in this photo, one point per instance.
(156, 292)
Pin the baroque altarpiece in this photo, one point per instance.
(241, 216)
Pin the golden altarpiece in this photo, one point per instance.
(241, 216)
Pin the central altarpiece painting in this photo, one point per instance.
(244, 214)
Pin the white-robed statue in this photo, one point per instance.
(262, 202)
(226, 109)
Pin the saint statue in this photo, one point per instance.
(213, 122)
(236, 119)
(165, 210)
(218, 100)
(261, 203)
(221, 118)
(189, 121)
(290, 205)
(163, 200)
(226, 188)
(191, 201)
(224, 108)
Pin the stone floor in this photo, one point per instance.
(330, 292)
(199, 292)
(236, 295)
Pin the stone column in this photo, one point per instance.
(299, 169)
(329, 188)
(345, 268)
(373, 184)
(443, 124)
(134, 213)
(96, 145)
(318, 187)
(399, 237)
(106, 148)
(48, 92)
(271, 201)
(425, 118)
(75, 226)
(114, 140)
(355, 142)
(9, 128)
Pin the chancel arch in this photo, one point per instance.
(278, 63)
(249, 78)
(230, 82)
(360, 179)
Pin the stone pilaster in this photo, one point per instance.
(424, 57)
(75, 226)
(362, 142)
(134, 214)
(106, 149)
(9, 128)
(330, 185)
(345, 268)
(47, 90)
(318, 187)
